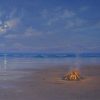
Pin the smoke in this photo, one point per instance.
(76, 64)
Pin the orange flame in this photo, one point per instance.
(73, 75)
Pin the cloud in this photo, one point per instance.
(60, 13)
(44, 13)
(84, 8)
(18, 45)
(68, 20)
(2, 45)
(3, 29)
(10, 36)
(97, 25)
(76, 23)
(67, 14)
(8, 21)
(12, 14)
(32, 32)
(56, 15)
(12, 23)
(21, 47)
(8, 25)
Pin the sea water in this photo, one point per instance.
(11, 61)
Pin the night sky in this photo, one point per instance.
(49, 25)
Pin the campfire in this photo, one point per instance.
(72, 76)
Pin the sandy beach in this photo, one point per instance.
(47, 84)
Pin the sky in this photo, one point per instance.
(49, 25)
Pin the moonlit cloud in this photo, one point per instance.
(12, 23)
(8, 21)
(2, 29)
(9, 25)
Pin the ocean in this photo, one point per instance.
(11, 61)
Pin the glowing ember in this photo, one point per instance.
(72, 76)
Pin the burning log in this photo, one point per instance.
(72, 76)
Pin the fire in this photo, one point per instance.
(72, 76)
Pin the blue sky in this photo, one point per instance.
(49, 26)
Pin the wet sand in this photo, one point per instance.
(47, 84)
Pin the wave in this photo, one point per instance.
(49, 55)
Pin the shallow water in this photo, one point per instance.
(25, 63)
